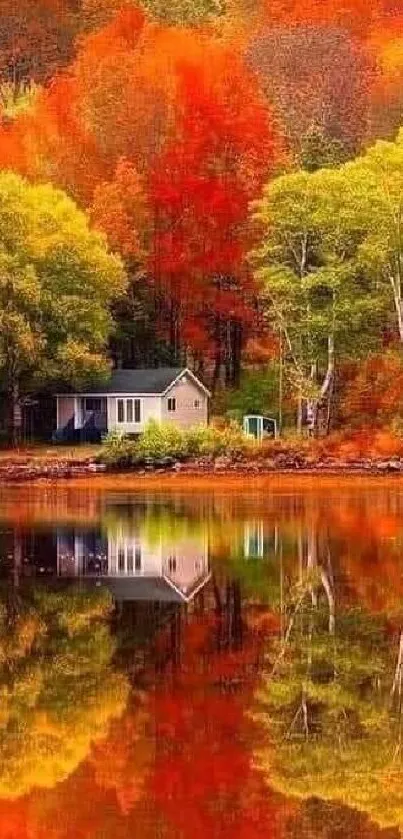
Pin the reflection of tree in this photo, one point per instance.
(331, 703)
(58, 691)
(325, 820)
(204, 782)
(121, 761)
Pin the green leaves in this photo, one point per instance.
(330, 261)
(57, 281)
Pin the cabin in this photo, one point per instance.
(128, 400)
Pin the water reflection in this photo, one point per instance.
(185, 665)
(136, 560)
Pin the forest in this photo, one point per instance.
(210, 183)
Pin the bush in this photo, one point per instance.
(118, 450)
(229, 440)
(163, 440)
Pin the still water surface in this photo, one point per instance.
(201, 664)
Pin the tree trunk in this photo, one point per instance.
(237, 340)
(397, 297)
(299, 413)
(280, 385)
(13, 589)
(314, 405)
(15, 413)
(217, 368)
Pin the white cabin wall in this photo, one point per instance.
(191, 404)
(150, 409)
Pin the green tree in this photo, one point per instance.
(314, 288)
(57, 281)
(376, 180)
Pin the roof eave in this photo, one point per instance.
(98, 393)
(192, 376)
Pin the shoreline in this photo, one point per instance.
(15, 472)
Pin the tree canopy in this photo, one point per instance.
(57, 283)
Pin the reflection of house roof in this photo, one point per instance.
(156, 589)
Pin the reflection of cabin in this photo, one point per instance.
(260, 539)
(132, 567)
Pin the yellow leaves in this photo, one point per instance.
(391, 59)
(58, 690)
(57, 280)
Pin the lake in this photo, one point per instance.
(206, 662)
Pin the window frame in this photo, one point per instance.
(171, 405)
(120, 403)
(126, 415)
(129, 411)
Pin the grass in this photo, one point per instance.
(47, 454)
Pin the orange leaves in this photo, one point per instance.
(165, 135)
(119, 210)
(374, 394)
(36, 37)
(204, 180)
(356, 16)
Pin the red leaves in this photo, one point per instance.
(374, 393)
(119, 210)
(186, 116)
(202, 186)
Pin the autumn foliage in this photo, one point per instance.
(166, 137)
(165, 134)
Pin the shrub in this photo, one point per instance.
(162, 440)
(229, 440)
(118, 449)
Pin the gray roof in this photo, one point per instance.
(154, 589)
(137, 381)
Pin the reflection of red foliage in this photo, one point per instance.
(192, 777)
(204, 781)
(13, 820)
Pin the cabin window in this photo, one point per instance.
(121, 559)
(172, 564)
(137, 558)
(254, 539)
(93, 404)
(171, 404)
(130, 559)
(196, 403)
(121, 410)
(129, 410)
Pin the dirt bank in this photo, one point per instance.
(16, 469)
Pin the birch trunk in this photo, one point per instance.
(15, 414)
(397, 297)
